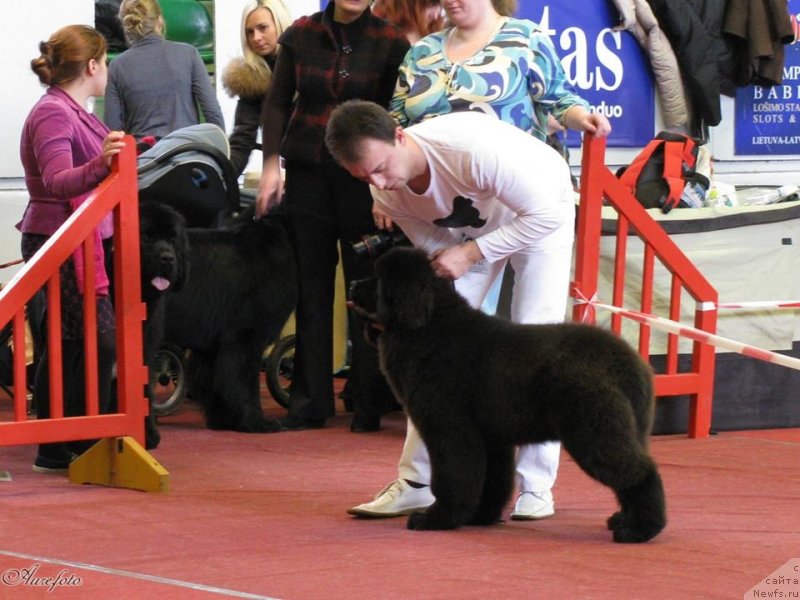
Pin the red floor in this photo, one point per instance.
(263, 516)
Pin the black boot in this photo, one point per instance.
(55, 457)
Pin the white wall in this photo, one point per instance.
(26, 23)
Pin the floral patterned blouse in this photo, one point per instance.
(516, 76)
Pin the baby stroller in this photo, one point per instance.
(189, 170)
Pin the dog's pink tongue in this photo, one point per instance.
(160, 283)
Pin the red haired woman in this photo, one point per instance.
(415, 18)
(66, 152)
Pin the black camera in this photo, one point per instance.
(373, 245)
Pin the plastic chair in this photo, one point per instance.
(188, 21)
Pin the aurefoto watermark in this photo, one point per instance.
(33, 577)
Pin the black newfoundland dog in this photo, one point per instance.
(475, 386)
(164, 248)
(240, 290)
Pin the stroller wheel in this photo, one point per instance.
(168, 379)
(279, 366)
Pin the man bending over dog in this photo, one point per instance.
(475, 193)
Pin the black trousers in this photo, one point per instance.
(72, 365)
(325, 206)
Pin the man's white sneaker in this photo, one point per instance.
(396, 499)
(533, 505)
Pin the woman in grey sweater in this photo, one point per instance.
(156, 86)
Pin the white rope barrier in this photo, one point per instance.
(761, 304)
(704, 337)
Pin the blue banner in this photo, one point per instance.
(767, 117)
(607, 68)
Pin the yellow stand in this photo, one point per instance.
(120, 462)
(340, 321)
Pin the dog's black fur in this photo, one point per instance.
(475, 386)
(241, 290)
(164, 253)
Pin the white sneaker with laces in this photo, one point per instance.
(533, 505)
(396, 499)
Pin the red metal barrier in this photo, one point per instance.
(598, 184)
(119, 193)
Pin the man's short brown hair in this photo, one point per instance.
(354, 121)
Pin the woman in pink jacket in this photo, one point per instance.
(66, 152)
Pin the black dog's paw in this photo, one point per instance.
(615, 521)
(426, 522)
(151, 442)
(630, 535)
(152, 438)
(484, 520)
(417, 522)
(272, 425)
(634, 531)
(250, 422)
(260, 424)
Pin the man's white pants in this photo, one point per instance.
(541, 289)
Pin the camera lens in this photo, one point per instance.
(374, 244)
(365, 247)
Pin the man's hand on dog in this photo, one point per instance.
(452, 263)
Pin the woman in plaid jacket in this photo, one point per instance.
(341, 53)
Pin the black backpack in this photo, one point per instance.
(663, 174)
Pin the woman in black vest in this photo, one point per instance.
(341, 53)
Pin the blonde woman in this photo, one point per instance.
(249, 77)
(156, 86)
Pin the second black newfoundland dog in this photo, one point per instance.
(239, 292)
(164, 252)
(475, 386)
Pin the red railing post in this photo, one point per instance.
(118, 192)
(587, 241)
(130, 311)
(597, 184)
